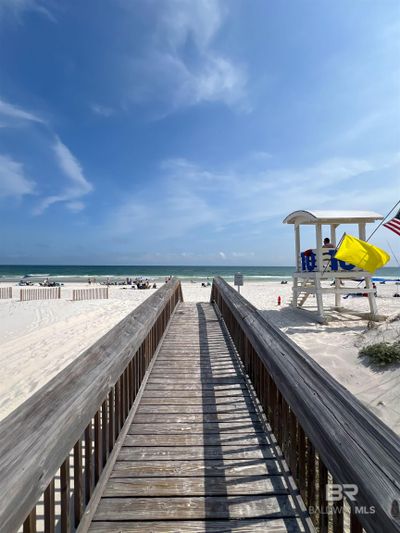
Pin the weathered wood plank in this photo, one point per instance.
(198, 400)
(207, 439)
(199, 427)
(195, 486)
(205, 375)
(215, 388)
(196, 409)
(200, 364)
(287, 525)
(165, 418)
(199, 380)
(211, 467)
(219, 356)
(196, 508)
(187, 453)
(182, 393)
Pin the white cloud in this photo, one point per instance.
(71, 166)
(168, 74)
(13, 181)
(12, 111)
(76, 206)
(182, 20)
(188, 200)
(102, 110)
(242, 254)
(78, 185)
(222, 255)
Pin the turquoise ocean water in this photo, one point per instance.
(196, 273)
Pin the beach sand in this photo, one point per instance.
(40, 338)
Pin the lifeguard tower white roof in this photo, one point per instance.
(331, 217)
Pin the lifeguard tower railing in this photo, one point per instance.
(327, 436)
(309, 263)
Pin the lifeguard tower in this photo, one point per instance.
(318, 264)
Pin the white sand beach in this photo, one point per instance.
(39, 338)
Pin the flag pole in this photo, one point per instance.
(398, 264)
(382, 221)
(394, 255)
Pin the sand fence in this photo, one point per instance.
(5, 292)
(46, 293)
(99, 293)
(54, 293)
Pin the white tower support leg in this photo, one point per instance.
(295, 291)
(320, 302)
(297, 247)
(338, 298)
(371, 298)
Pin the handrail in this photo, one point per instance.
(86, 403)
(311, 413)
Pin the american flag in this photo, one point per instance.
(394, 224)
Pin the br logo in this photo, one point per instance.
(335, 492)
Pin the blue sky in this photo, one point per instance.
(183, 132)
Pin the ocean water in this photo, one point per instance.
(196, 273)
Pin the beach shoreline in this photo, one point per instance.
(81, 274)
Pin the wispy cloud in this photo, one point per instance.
(13, 181)
(11, 111)
(77, 187)
(167, 73)
(190, 197)
(102, 110)
(17, 8)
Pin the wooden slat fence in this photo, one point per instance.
(97, 293)
(77, 416)
(5, 293)
(44, 293)
(325, 433)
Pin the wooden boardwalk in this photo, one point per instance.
(197, 456)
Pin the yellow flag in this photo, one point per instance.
(361, 254)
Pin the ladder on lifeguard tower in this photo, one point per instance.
(303, 294)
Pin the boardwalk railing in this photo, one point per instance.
(5, 292)
(47, 293)
(78, 415)
(327, 436)
(97, 293)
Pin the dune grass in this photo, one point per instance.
(382, 353)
